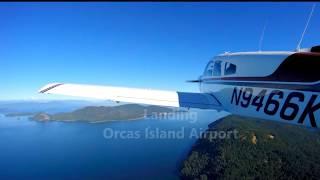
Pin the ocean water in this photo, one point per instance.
(52, 150)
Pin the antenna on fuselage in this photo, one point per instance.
(305, 28)
(262, 35)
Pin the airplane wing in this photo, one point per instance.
(135, 95)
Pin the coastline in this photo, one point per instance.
(105, 121)
(91, 122)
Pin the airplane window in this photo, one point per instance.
(229, 69)
(208, 71)
(217, 68)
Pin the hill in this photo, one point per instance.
(103, 113)
(50, 106)
(261, 150)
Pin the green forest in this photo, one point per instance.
(262, 150)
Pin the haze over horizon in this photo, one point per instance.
(144, 45)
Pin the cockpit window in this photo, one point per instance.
(229, 68)
(213, 69)
(209, 69)
(217, 68)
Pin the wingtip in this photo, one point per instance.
(48, 87)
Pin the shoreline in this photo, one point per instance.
(91, 122)
(104, 121)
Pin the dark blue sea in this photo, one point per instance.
(78, 150)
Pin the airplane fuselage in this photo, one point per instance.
(281, 86)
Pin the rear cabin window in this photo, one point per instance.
(298, 67)
(229, 68)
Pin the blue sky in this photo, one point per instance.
(144, 45)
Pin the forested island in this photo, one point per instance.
(262, 150)
(103, 113)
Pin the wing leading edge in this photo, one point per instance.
(135, 95)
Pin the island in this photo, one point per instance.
(261, 150)
(103, 113)
(18, 114)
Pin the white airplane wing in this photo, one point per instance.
(134, 95)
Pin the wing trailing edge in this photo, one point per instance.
(135, 95)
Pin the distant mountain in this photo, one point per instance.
(51, 106)
(261, 150)
(103, 113)
(20, 114)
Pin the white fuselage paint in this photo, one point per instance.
(289, 105)
(224, 95)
